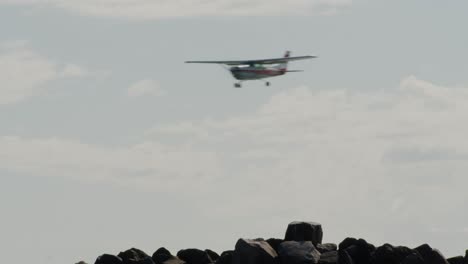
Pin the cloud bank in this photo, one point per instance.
(157, 9)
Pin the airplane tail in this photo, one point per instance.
(284, 66)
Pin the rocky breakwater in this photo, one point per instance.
(302, 245)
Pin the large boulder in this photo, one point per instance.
(135, 256)
(295, 252)
(430, 255)
(108, 259)
(194, 256)
(357, 249)
(330, 257)
(226, 257)
(248, 251)
(304, 231)
(388, 254)
(161, 255)
(328, 247)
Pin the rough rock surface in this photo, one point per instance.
(135, 256)
(275, 242)
(457, 260)
(388, 254)
(328, 247)
(295, 252)
(226, 257)
(257, 251)
(330, 257)
(163, 256)
(108, 259)
(357, 249)
(194, 256)
(430, 255)
(304, 231)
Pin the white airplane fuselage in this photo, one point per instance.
(255, 72)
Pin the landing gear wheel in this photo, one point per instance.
(237, 85)
(267, 83)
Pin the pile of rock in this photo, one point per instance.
(302, 245)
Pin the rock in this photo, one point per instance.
(330, 257)
(304, 231)
(108, 259)
(388, 254)
(328, 247)
(174, 260)
(81, 262)
(295, 252)
(430, 255)
(457, 260)
(413, 258)
(135, 256)
(194, 256)
(344, 257)
(213, 255)
(226, 257)
(274, 243)
(161, 255)
(249, 251)
(358, 249)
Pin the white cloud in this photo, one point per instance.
(145, 87)
(156, 9)
(387, 159)
(25, 73)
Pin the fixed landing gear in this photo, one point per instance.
(267, 83)
(238, 85)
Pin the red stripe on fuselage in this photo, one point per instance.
(261, 71)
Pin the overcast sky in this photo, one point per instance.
(109, 141)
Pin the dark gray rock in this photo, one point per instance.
(226, 257)
(135, 256)
(388, 254)
(298, 252)
(274, 243)
(213, 255)
(174, 260)
(194, 256)
(344, 257)
(457, 260)
(413, 258)
(328, 247)
(249, 251)
(430, 255)
(358, 249)
(161, 255)
(330, 257)
(304, 231)
(108, 259)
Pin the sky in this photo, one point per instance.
(109, 141)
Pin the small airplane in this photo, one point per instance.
(244, 70)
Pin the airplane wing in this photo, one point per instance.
(250, 62)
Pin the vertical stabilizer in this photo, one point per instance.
(284, 66)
